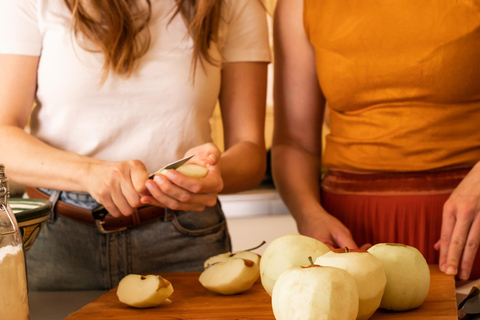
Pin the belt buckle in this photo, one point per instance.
(99, 213)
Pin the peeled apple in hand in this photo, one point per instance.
(366, 270)
(229, 273)
(408, 276)
(315, 293)
(191, 170)
(291, 250)
(144, 291)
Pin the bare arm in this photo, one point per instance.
(31, 162)
(242, 102)
(299, 109)
(242, 165)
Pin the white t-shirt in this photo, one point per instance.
(158, 113)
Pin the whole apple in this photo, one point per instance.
(291, 250)
(408, 276)
(366, 270)
(313, 293)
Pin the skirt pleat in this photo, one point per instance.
(377, 210)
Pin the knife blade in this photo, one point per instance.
(99, 212)
(173, 165)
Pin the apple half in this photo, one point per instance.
(291, 250)
(316, 292)
(229, 273)
(144, 291)
(366, 270)
(408, 276)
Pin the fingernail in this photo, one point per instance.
(158, 179)
(451, 271)
(442, 267)
(171, 174)
(464, 275)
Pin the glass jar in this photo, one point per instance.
(13, 276)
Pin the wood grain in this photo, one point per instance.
(193, 302)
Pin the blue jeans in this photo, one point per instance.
(68, 255)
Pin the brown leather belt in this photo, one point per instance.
(142, 215)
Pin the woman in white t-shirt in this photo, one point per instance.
(121, 89)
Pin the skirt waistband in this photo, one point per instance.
(425, 182)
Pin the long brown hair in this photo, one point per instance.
(119, 29)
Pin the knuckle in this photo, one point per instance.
(471, 245)
(458, 242)
(185, 197)
(174, 205)
(445, 239)
(196, 188)
(212, 202)
(448, 207)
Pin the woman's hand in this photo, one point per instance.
(461, 227)
(328, 229)
(179, 192)
(118, 186)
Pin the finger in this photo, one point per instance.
(138, 176)
(448, 224)
(212, 183)
(457, 244)
(470, 251)
(185, 196)
(365, 246)
(110, 207)
(130, 194)
(122, 204)
(345, 240)
(160, 198)
(206, 155)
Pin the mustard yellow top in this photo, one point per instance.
(402, 80)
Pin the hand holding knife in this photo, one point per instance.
(99, 212)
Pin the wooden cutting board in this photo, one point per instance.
(193, 302)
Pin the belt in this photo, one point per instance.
(110, 224)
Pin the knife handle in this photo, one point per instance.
(99, 212)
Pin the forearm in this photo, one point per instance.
(296, 174)
(31, 162)
(243, 166)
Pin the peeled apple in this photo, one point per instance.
(291, 250)
(315, 293)
(408, 276)
(191, 170)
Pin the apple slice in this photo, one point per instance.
(231, 275)
(315, 292)
(141, 291)
(368, 273)
(408, 276)
(191, 170)
(291, 250)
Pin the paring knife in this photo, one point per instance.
(99, 212)
(173, 165)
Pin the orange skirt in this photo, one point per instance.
(393, 207)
